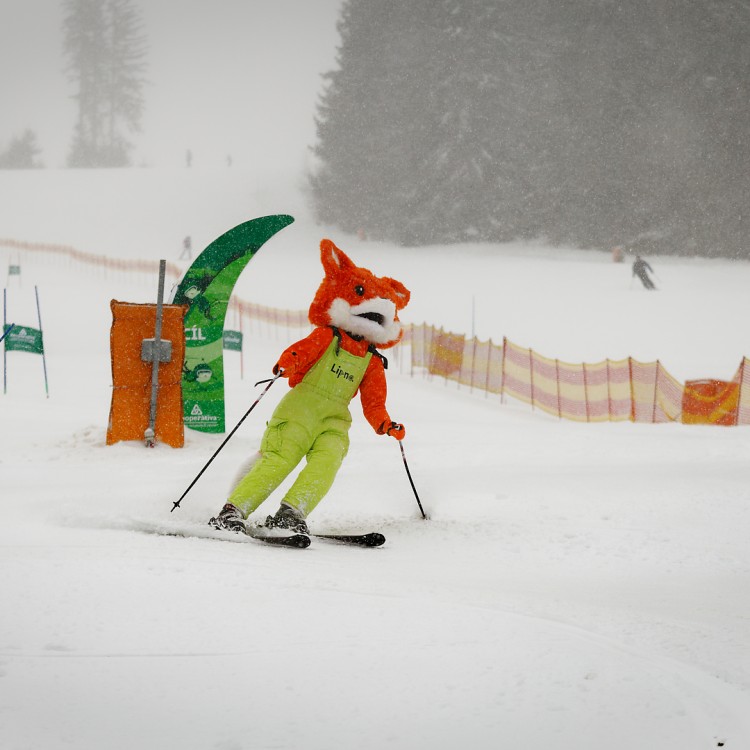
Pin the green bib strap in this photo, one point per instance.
(337, 374)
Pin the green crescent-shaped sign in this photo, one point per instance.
(207, 286)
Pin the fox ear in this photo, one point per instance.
(401, 294)
(334, 260)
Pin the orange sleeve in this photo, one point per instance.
(372, 393)
(302, 355)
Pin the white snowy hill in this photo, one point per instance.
(576, 586)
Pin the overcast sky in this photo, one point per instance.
(235, 78)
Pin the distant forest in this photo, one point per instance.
(105, 47)
(590, 123)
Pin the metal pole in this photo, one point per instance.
(44, 356)
(7, 329)
(150, 435)
(5, 351)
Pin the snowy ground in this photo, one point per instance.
(577, 586)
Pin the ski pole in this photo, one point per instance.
(7, 330)
(411, 481)
(270, 382)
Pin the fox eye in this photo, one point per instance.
(359, 290)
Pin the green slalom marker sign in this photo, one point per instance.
(206, 288)
(24, 339)
(233, 340)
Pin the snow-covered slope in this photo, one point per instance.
(577, 586)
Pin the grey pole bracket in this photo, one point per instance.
(155, 351)
(150, 348)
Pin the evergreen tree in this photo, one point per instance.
(360, 122)
(425, 127)
(105, 47)
(591, 123)
(21, 152)
(85, 33)
(126, 81)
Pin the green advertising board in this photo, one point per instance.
(233, 340)
(206, 287)
(24, 339)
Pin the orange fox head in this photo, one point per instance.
(356, 301)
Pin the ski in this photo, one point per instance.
(262, 534)
(372, 539)
(266, 535)
(300, 541)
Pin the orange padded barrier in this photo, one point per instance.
(131, 377)
(710, 402)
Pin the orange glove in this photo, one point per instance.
(296, 360)
(286, 364)
(394, 429)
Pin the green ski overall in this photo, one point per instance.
(312, 421)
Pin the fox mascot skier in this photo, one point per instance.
(353, 312)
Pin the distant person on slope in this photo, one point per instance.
(641, 269)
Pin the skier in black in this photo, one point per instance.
(640, 269)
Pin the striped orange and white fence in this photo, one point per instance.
(608, 391)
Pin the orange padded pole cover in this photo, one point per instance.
(131, 377)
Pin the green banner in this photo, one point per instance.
(24, 339)
(207, 287)
(14, 270)
(233, 340)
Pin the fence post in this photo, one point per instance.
(473, 364)
(487, 374)
(632, 391)
(531, 375)
(502, 371)
(460, 367)
(434, 347)
(739, 392)
(586, 391)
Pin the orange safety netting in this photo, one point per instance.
(608, 391)
(254, 312)
(613, 390)
(117, 264)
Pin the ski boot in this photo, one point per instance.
(230, 519)
(289, 518)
